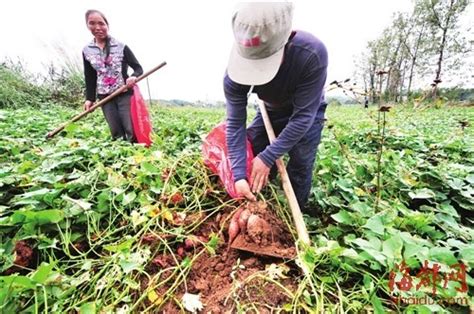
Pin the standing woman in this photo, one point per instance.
(106, 62)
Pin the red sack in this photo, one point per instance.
(214, 152)
(140, 118)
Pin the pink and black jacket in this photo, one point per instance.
(105, 70)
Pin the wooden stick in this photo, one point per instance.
(285, 179)
(102, 102)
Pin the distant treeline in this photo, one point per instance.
(185, 103)
(429, 47)
(65, 86)
(463, 96)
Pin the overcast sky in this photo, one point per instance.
(193, 37)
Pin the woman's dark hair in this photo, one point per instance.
(107, 42)
(89, 12)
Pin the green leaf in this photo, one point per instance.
(362, 208)
(121, 247)
(344, 185)
(26, 166)
(456, 184)
(443, 255)
(88, 308)
(42, 273)
(149, 168)
(456, 243)
(131, 283)
(36, 193)
(48, 216)
(37, 217)
(334, 201)
(377, 304)
(50, 178)
(446, 208)
(343, 217)
(212, 244)
(372, 249)
(350, 253)
(431, 307)
(3, 209)
(470, 179)
(81, 203)
(363, 174)
(392, 248)
(156, 186)
(128, 266)
(375, 225)
(71, 128)
(87, 265)
(422, 194)
(15, 280)
(117, 190)
(411, 250)
(128, 198)
(448, 222)
(467, 254)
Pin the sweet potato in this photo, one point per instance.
(189, 244)
(233, 230)
(243, 220)
(203, 239)
(258, 229)
(159, 261)
(253, 221)
(181, 251)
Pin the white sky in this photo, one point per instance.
(193, 37)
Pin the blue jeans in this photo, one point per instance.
(302, 155)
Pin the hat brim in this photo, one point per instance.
(253, 71)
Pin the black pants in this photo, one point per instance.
(117, 114)
(302, 155)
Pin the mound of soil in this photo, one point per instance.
(24, 255)
(265, 233)
(231, 276)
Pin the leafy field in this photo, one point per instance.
(88, 225)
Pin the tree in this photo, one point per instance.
(442, 17)
(429, 41)
(397, 57)
(415, 44)
(374, 59)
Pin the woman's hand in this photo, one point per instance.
(87, 105)
(243, 189)
(132, 80)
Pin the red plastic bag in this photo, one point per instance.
(140, 118)
(214, 151)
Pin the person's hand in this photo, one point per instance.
(132, 80)
(87, 105)
(259, 175)
(243, 189)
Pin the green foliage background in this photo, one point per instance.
(81, 189)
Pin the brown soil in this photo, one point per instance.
(267, 231)
(24, 255)
(230, 276)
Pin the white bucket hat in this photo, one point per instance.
(261, 30)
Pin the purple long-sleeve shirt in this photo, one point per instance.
(297, 89)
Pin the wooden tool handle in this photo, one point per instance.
(102, 102)
(287, 187)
